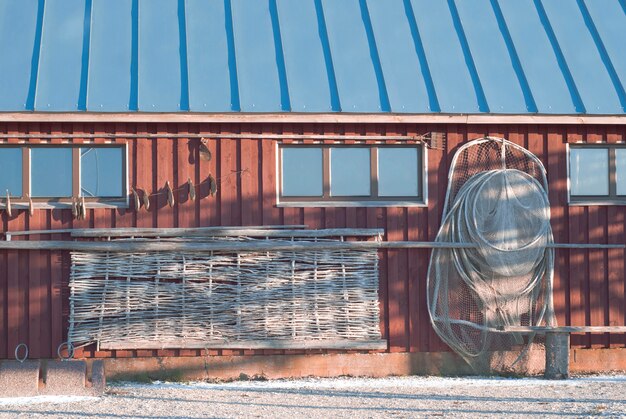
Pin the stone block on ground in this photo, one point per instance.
(19, 379)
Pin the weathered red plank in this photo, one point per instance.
(227, 182)
(185, 171)
(143, 175)
(270, 213)
(35, 283)
(555, 166)
(598, 284)
(578, 262)
(164, 173)
(616, 258)
(398, 283)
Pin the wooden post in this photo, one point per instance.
(557, 355)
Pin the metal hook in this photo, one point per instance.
(70, 351)
(17, 349)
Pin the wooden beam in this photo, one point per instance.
(226, 232)
(253, 344)
(318, 137)
(132, 246)
(234, 117)
(564, 329)
(319, 118)
(139, 232)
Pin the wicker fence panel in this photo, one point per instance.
(269, 299)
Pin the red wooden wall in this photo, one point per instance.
(589, 284)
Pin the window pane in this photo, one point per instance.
(51, 172)
(350, 171)
(101, 171)
(620, 167)
(589, 171)
(302, 171)
(11, 171)
(398, 171)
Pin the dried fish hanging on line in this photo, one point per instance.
(212, 186)
(189, 186)
(8, 205)
(136, 201)
(192, 190)
(205, 153)
(170, 194)
(31, 208)
(145, 198)
(79, 209)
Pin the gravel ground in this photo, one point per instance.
(344, 397)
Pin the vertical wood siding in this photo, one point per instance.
(589, 284)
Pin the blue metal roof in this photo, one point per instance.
(321, 56)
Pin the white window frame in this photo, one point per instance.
(66, 202)
(347, 201)
(600, 200)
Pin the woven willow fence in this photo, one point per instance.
(270, 299)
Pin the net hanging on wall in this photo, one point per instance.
(497, 200)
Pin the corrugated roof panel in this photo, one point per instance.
(492, 58)
(18, 73)
(537, 57)
(455, 90)
(611, 27)
(583, 59)
(404, 76)
(208, 57)
(64, 56)
(161, 87)
(306, 68)
(366, 56)
(358, 86)
(257, 61)
(110, 58)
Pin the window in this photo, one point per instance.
(52, 175)
(11, 172)
(597, 174)
(302, 169)
(96, 177)
(351, 175)
(51, 172)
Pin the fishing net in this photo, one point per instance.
(497, 204)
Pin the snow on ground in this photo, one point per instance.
(462, 397)
(12, 401)
(391, 382)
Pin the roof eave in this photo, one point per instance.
(292, 117)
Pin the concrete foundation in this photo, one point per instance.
(331, 365)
